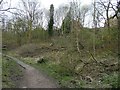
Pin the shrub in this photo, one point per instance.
(28, 50)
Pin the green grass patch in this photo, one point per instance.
(11, 72)
(111, 79)
(59, 73)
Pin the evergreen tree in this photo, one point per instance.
(51, 21)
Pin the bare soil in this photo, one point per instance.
(35, 79)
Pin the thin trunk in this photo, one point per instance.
(108, 21)
(119, 43)
(29, 32)
(63, 28)
(107, 15)
(103, 41)
(77, 42)
(94, 21)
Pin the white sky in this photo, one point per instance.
(56, 3)
(46, 3)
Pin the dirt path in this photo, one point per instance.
(34, 78)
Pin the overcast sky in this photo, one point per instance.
(46, 3)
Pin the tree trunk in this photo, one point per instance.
(95, 25)
(118, 14)
(77, 42)
(29, 32)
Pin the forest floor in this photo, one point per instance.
(32, 78)
(57, 65)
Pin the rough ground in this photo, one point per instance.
(34, 78)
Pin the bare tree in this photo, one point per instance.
(31, 10)
(60, 13)
(59, 16)
(8, 4)
(76, 15)
(84, 11)
(1, 6)
(105, 6)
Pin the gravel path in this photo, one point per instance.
(33, 78)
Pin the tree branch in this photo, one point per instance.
(1, 1)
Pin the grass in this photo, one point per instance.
(11, 72)
(0, 71)
(57, 72)
(111, 79)
(69, 80)
(65, 66)
(66, 79)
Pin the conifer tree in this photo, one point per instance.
(51, 21)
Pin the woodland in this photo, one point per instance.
(77, 45)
